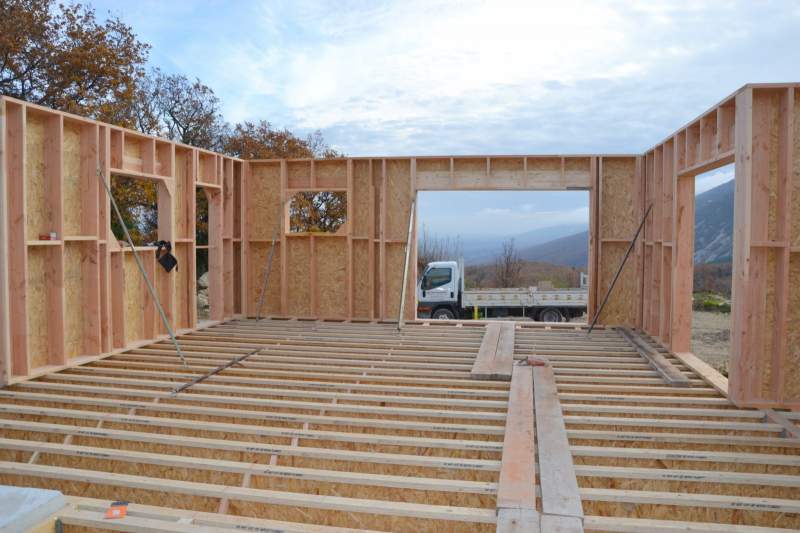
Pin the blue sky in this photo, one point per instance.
(414, 77)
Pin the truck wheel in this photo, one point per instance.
(551, 314)
(443, 313)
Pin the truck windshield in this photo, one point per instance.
(436, 277)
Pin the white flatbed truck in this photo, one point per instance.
(441, 295)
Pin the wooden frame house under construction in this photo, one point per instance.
(336, 419)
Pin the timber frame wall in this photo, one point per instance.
(78, 298)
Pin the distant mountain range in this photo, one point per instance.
(572, 250)
(568, 245)
(713, 225)
(481, 250)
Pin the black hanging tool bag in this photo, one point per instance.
(165, 257)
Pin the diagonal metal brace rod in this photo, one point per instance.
(619, 271)
(139, 264)
(268, 268)
(217, 370)
(400, 318)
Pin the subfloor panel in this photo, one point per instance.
(329, 425)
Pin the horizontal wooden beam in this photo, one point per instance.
(667, 370)
(269, 497)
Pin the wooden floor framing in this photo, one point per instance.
(335, 425)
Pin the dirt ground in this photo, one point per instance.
(711, 338)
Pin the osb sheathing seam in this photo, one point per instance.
(360, 200)
(330, 174)
(398, 200)
(259, 258)
(774, 110)
(263, 202)
(73, 204)
(37, 287)
(791, 378)
(134, 299)
(132, 159)
(576, 169)
(666, 293)
(540, 168)
(331, 271)
(618, 220)
(619, 308)
(395, 259)
(361, 294)
(298, 174)
(74, 255)
(770, 298)
(182, 252)
(298, 276)
(509, 170)
(182, 226)
(39, 214)
(438, 169)
(466, 167)
(619, 211)
(794, 186)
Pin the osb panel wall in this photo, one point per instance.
(298, 276)
(37, 300)
(356, 273)
(765, 355)
(620, 212)
(72, 179)
(74, 257)
(74, 293)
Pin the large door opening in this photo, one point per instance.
(713, 255)
(499, 254)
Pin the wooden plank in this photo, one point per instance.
(660, 364)
(561, 524)
(496, 353)
(518, 467)
(558, 482)
(518, 521)
(707, 372)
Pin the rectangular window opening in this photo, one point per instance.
(318, 212)
(137, 200)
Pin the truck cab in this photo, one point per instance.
(441, 295)
(439, 290)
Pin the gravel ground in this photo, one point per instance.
(711, 338)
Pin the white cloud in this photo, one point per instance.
(532, 218)
(709, 180)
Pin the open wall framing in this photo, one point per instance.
(756, 129)
(75, 293)
(48, 162)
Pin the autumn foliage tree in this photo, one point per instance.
(323, 211)
(63, 57)
(60, 56)
(260, 140)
